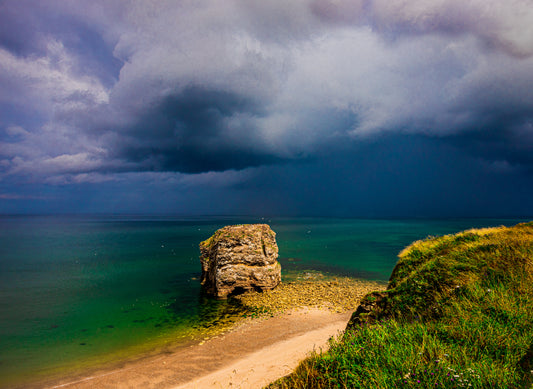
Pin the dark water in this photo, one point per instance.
(76, 291)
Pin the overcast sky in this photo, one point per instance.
(373, 108)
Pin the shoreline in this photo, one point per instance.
(251, 355)
(308, 311)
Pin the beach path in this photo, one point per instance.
(255, 353)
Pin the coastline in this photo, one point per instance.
(282, 326)
(90, 312)
(251, 355)
(280, 356)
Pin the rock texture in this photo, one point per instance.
(240, 258)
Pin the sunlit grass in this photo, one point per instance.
(458, 312)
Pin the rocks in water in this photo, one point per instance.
(337, 294)
(239, 258)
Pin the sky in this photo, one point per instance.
(345, 108)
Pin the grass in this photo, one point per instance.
(458, 312)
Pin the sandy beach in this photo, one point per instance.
(253, 354)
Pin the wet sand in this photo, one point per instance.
(253, 354)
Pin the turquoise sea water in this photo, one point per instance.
(75, 291)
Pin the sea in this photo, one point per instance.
(79, 292)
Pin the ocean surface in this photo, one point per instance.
(79, 291)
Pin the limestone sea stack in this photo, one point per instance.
(239, 258)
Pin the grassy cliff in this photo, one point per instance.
(458, 312)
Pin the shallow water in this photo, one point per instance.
(77, 291)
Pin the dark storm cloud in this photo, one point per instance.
(190, 132)
(195, 87)
(503, 147)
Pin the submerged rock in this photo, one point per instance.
(240, 258)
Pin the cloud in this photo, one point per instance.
(48, 80)
(205, 87)
(506, 25)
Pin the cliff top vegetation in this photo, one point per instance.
(457, 312)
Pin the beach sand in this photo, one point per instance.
(253, 354)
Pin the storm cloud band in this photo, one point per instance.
(93, 91)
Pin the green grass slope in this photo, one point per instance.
(458, 312)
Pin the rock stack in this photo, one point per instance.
(240, 258)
